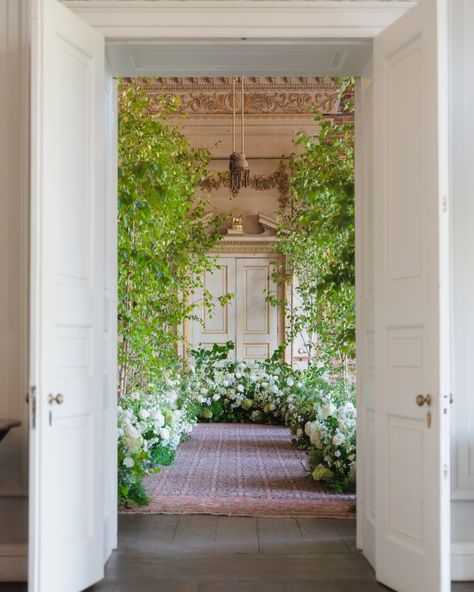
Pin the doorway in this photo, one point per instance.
(406, 335)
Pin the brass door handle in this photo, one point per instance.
(59, 399)
(422, 400)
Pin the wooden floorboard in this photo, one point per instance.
(221, 554)
(236, 535)
(321, 536)
(280, 536)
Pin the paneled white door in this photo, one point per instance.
(218, 325)
(411, 302)
(257, 320)
(248, 319)
(66, 550)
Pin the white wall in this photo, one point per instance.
(14, 188)
(462, 216)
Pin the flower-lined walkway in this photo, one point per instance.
(241, 470)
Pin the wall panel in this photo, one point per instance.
(14, 191)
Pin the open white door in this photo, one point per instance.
(411, 301)
(67, 310)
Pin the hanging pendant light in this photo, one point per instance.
(238, 165)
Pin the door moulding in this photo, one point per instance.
(462, 561)
(224, 19)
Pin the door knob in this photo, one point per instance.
(422, 400)
(59, 399)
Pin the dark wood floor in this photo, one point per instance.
(221, 554)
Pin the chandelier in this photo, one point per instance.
(238, 165)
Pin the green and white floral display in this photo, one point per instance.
(320, 412)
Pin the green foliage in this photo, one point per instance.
(162, 234)
(162, 456)
(209, 356)
(317, 236)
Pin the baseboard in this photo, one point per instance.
(462, 561)
(14, 562)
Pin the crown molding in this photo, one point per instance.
(224, 19)
(263, 95)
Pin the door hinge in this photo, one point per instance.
(30, 398)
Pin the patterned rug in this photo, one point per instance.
(241, 470)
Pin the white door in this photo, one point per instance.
(411, 302)
(248, 319)
(257, 320)
(67, 311)
(217, 325)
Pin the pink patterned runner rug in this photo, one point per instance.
(241, 470)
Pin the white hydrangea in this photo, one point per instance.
(128, 462)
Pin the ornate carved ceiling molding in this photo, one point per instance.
(263, 95)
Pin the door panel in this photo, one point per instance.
(67, 315)
(257, 319)
(218, 326)
(411, 304)
(247, 320)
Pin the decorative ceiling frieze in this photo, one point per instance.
(263, 95)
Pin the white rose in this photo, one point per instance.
(128, 462)
(337, 454)
(338, 439)
(240, 388)
(144, 414)
(159, 419)
(165, 434)
(328, 410)
(289, 381)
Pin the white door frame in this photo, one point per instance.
(125, 22)
(121, 20)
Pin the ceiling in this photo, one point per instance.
(217, 57)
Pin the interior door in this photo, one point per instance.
(66, 550)
(411, 302)
(257, 319)
(217, 326)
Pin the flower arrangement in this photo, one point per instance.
(319, 410)
(332, 436)
(151, 424)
